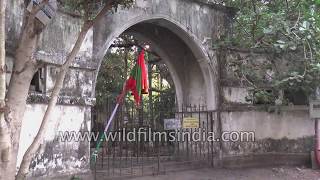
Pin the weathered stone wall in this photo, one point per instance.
(283, 138)
(283, 134)
(56, 155)
(272, 131)
(182, 33)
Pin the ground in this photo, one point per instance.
(270, 173)
(280, 173)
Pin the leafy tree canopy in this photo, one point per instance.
(284, 27)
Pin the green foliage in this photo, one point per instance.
(262, 97)
(163, 95)
(112, 75)
(284, 27)
(74, 178)
(114, 72)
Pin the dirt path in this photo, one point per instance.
(275, 173)
(279, 173)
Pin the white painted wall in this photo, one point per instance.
(287, 124)
(64, 118)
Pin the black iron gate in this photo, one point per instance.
(144, 147)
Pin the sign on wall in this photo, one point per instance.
(190, 122)
(46, 13)
(315, 109)
(171, 124)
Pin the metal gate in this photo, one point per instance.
(172, 150)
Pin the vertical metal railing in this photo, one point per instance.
(138, 158)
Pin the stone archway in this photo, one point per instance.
(193, 25)
(195, 83)
(188, 63)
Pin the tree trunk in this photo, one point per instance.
(23, 70)
(5, 142)
(29, 154)
(24, 167)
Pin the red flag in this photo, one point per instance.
(138, 80)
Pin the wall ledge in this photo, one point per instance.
(266, 159)
(57, 59)
(38, 98)
(267, 108)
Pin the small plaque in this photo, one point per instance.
(190, 122)
(172, 124)
(46, 13)
(314, 109)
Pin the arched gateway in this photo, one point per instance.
(182, 33)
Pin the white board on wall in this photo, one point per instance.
(314, 109)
